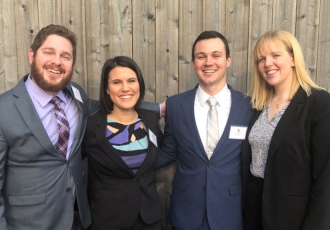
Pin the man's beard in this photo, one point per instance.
(48, 86)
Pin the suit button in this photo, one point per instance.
(136, 179)
(68, 189)
(204, 188)
(209, 165)
(267, 175)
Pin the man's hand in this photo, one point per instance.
(163, 109)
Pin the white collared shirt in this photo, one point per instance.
(201, 108)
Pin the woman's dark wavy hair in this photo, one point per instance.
(106, 105)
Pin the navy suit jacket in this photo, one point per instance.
(202, 186)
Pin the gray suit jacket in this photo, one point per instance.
(35, 179)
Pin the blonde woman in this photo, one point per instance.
(286, 156)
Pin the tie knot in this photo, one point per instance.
(212, 101)
(55, 100)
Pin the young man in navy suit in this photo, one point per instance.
(207, 186)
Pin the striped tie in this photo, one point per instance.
(212, 127)
(63, 126)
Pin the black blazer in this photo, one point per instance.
(296, 192)
(117, 196)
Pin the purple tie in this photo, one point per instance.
(63, 126)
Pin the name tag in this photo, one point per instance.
(153, 138)
(237, 132)
(76, 93)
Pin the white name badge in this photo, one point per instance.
(153, 138)
(237, 132)
(77, 94)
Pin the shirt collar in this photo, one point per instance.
(40, 95)
(202, 96)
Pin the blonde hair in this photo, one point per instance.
(260, 91)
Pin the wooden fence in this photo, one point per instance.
(158, 34)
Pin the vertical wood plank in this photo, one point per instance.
(47, 13)
(307, 32)
(237, 31)
(9, 52)
(93, 47)
(284, 13)
(106, 41)
(26, 14)
(167, 23)
(144, 43)
(2, 47)
(323, 59)
(214, 15)
(120, 28)
(72, 16)
(189, 28)
(260, 21)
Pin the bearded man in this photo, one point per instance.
(42, 120)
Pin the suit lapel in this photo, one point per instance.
(80, 126)
(150, 152)
(100, 132)
(29, 114)
(189, 115)
(232, 118)
(287, 120)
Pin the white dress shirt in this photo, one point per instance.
(201, 108)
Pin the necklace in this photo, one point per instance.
(277, 105)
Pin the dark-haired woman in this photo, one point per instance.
(121, 143)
